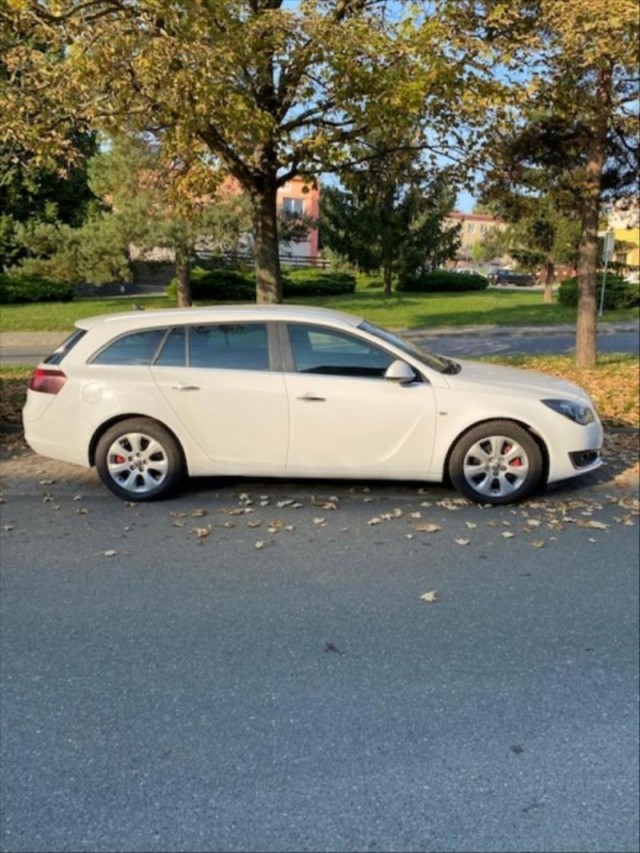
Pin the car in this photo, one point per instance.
(148, 397)
(510, 277)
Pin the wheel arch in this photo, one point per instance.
(522, 424)
(100, 431)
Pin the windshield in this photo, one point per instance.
(435, 362)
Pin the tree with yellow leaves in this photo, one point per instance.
(266, 89)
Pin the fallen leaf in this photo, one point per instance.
(428, 527)
(430, 597)
(598, 525)
(201, 532)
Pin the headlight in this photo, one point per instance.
(579, 414)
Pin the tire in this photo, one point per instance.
(139, 460)
(497, 462)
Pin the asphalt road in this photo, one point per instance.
(170, 686)
(473, 345)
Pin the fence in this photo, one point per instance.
(285, 258)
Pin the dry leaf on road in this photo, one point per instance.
(430, 597)
(427, 527)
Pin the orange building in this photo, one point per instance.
(300, 196)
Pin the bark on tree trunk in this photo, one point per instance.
(265, 236)
(586, 323)
(549, 275)
(183, 276)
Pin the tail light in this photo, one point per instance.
(47, 381)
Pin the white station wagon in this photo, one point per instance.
(290, 391)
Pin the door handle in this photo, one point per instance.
(312, 398)
(183, 386)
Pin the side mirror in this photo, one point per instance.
(399, 371)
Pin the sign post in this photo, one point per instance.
(609, 242)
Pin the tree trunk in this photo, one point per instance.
(586, 324)
(183, 276)
(549, 275)
(266, 255)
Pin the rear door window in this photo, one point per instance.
(174, 349)
(135, 348)
(229, 346)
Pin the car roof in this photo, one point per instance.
(141, 319)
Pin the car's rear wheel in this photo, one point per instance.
(497, 462)
(139, 460)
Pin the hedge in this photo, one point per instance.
(442, 282)
(25, 288)
(618, 293)
(309, 281)
(229, 284)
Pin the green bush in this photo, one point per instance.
(309, 281)
(618, 293)
(24, 288)
(230, 284)
(442, 282)
(222, 284)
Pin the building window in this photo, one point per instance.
(293, 206)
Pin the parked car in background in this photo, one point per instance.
(514, 278)
(293, 391)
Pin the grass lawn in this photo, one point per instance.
(398, 311)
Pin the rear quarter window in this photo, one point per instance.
(65, 347)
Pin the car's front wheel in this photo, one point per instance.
(139, 460)
(496, 463)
